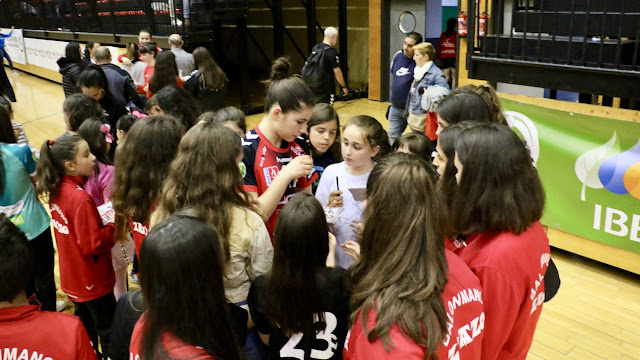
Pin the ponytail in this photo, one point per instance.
(51, 169)
(290, 92)
(375, 134)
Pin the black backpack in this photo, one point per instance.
(313, 72)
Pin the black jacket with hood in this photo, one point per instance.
(70, 71)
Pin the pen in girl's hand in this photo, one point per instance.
(337, 183)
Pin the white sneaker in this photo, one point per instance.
(61, 305)
(134, 279)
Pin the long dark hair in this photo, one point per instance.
(165, 72)
(51, 169)
(446, 140)
(141, 165)
(178, 103)
(402, 271)
(290, 92)
(6, 136)
(323, 113)
(184, 252)
(72, 52)
(132, 52)
(90, 132)
(204, 176)
(499, 188)
(214, 78)
(462, 105)
(301, 240)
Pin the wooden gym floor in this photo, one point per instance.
(595, 315)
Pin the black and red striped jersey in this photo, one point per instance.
(261, 163)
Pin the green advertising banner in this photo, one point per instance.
(590, 169)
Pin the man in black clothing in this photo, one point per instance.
(330, 62)
(120, 82)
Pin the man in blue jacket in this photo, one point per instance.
(402, 67)
(3, 52)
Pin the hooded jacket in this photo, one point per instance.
(70, 71)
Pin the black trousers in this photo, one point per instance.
(96, 316)
(42, 282)
(5, 85)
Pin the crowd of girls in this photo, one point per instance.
(297, 239)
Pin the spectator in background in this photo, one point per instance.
(3, 52)
(148, 53)
(446, 55)
(164, 74)
(71, 65)
(93, 82)
(329, 63)
(136, 69)
(88, 53)
(119, 80)
(184, 60)
(144, 37)
(402, 67)
(208, 82)
(5, 86)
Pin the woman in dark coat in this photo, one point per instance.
(70, 67)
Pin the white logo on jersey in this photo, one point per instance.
(402, 71)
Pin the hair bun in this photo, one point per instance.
(280, 69)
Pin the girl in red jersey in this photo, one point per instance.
(276, 162)
(84, 243)
(183, 252)
(412, 299)
(142, 163)
(496, 207)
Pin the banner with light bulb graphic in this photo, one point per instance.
(590, 169)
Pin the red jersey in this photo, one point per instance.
(447, 46)
(463, 302)
(139, 231)
(84, 243)
(175, 348)
(26, 332)
(262, 161)
(511, 269)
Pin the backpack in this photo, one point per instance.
(313, 72)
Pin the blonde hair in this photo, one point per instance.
(425, 48)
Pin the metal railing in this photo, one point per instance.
(595, 34)
(162, 17)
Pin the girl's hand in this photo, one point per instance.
(332, 242)
(335, 199)
(126, 61)
(358, 227)
(352, 249)
(298, 167)
(331, 257)
(146, 88)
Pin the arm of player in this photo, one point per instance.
(268, 201)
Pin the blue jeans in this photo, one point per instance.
(397, 123)
(5, 54)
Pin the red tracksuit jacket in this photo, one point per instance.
(26, 332)
(463, 303)
(84, 243)
(511, 269)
